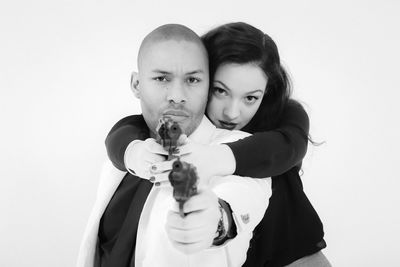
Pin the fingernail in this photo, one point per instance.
(157, 183)
(152, 179)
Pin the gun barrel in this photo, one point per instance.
(183, 178)
(169, 132)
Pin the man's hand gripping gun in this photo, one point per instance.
(183, 176)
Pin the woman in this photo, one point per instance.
(250, 91)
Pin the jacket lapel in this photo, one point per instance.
(110, 178)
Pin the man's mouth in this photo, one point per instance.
(176, 115)
(227, 125)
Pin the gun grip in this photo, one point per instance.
(181, 209)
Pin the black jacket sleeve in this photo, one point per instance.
(121, 134)
(274, 152)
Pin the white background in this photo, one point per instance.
(64, 81)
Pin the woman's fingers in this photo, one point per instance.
(160, 167)
(154, 147)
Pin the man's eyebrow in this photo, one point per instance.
(167, 72)
(161, 71)
(195, 72)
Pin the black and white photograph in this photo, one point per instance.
(199, 133)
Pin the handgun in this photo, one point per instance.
(183, 176)
(169, 132)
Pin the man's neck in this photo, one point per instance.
(203, 132)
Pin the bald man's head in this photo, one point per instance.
(168, 32)
(173, 77)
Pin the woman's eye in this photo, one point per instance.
(220, 91)
(251, 99)
(193, 80)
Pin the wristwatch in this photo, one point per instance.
(226, 226)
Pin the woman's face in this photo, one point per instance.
(236, 94)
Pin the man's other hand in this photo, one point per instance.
(197, 230)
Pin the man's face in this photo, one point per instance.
(173, 82)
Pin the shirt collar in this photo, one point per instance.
(204, 132)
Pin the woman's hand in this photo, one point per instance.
(209, 160)
(141, 155)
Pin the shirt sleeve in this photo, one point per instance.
(121, 134)
(247, 211)
(274, 152)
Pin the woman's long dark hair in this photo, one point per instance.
(242, 43)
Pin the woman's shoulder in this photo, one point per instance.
(294, 111)
(137, 118)
(294, 105)
(132, 120)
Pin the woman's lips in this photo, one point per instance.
(227, 125)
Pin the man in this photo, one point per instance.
(136, 223)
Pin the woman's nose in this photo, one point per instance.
(231, 111)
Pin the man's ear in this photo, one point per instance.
(135, 84)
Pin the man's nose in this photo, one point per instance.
(176, 93)
(231, 110)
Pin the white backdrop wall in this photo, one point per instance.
(64, 81)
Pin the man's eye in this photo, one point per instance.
(251, 99)
(161, 79)
(193, 80)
